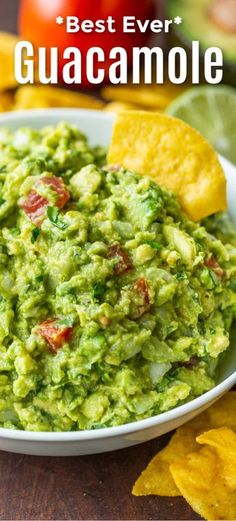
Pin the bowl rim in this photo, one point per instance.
(42, 113)
(127, 428)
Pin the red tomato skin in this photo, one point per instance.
(35, 204)
(213, 265)
(56, 336)
(37, 23)
(124, 265)
(142, 289)
(59, 187)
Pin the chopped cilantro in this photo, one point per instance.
(181, 275)
(35, 234)
(214, 277)
(39, 278)
(154, 244)
(53, 215)
(201, 326)
(99, 289)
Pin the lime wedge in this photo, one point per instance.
(212, 111)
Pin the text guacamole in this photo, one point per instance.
(113, 305)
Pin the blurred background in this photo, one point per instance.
(210, 109)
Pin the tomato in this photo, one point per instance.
(141, 301)
(35, 204)
(58, 186)
(55, 334)
(37, 23)
(124, 264)
(214, 266)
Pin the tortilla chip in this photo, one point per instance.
(39, 96)
(148, 97)
(201, 481)
(7, 46)
(175, 155)
(157, 478)
(224, 441)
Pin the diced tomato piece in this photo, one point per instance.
(59, 187)
(124, 265)
(213, 265)
(35, 204)
(141, 302)
(55, 335)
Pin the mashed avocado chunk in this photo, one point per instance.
(113, 305)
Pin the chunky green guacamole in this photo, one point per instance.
(113, 305)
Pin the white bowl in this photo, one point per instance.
(98, 126)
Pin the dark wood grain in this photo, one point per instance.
(88, 487)
(79, 488)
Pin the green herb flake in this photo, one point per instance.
(99, 289)
(39, 278)
(181, 275)
(214, 277)
(53, 215)
(35, 234)
(154, 244)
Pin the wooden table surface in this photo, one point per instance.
(88, 487)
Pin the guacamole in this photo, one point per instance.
(113, 305)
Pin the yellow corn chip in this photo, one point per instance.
(157, 478)
(39, 96)
(148, 97)
(201, 481)
(174, 155)
(7, 46)
(222, 413)
(224, 441)
(207, 478)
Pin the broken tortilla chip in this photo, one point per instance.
(156, 478)
(40, 96)
(175, 155)
(224, 441)
(148, 97)
(207, 478)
